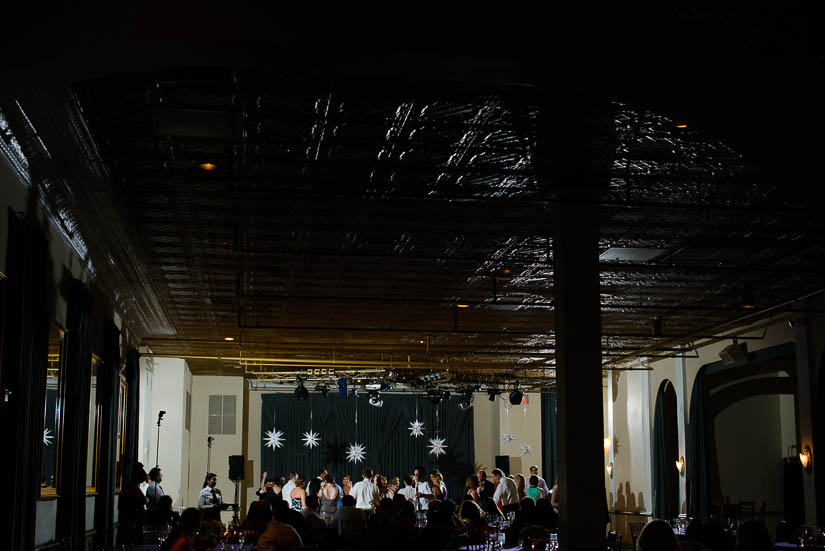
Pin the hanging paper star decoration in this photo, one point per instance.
(311, 439)
(437, 446)
(416, 428)
(507, 437)
(526, 449)
(274, 439)
(356, 453)
(48, 439)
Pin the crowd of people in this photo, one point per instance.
(410, 511)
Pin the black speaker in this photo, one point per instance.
(503, 463)
(236, 467)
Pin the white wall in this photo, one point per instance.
(224, 445)
(632, 467)
(166, 380)
(45, 521)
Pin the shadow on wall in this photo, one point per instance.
(626, 500)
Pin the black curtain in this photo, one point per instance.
(25, 345)
(390, 449)
(108, 387)
(665, 454)
(698, 468)
(76, 388)
(130, 436)
(549, 451)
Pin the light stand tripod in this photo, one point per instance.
(157, 448)
(209, 454)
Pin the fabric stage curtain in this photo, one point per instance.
(71, 507)
(390, 449)
(549, 451)
(108, 387)
(663, 464)
(697, 467)
(25, 345)
(130, 435)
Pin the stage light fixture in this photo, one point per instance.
(301, 392)
(492, 393)
(466, 400)
(733, 352)
(322, 388)
(375, 399)
(516, 395)
(434, 396)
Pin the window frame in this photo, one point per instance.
(97, 362)
(52, 492)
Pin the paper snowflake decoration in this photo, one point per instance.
(416, 428)
(526, 449)
(356, 453)
(274, 439)
(437, 447)
(311, 439)
(507, 437)
(48, 438)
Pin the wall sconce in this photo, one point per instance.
(606, 444)
(680, 466)
(806, 459)
(610, 470)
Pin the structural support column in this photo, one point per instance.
(575, 144)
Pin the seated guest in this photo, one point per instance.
(545, 516)
(281, 537)
(471, 515)
(533, 532)
(753, 536)
(257, 519)
(181, 537)
(657, 535)
(286, 515)
(708, 533)
(403, 523)
(349, 519)
(525, 516)
(489, 508)
(315, 525)
(163, 513)
(533, 491)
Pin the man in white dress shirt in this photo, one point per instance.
(408, 491)
(506, 494)
(289, 486)
(534, 470)
(422, 488)
(365, 492)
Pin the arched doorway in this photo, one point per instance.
(665, 453)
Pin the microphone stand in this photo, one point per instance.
(209, 454)
(157, 448)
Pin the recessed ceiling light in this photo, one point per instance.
(208, 167)
(681, 125)
(229, 338)
(221, 243)
(463, 305)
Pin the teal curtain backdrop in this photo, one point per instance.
(390, 449)
(549, 446)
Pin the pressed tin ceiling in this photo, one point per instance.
(346, 226)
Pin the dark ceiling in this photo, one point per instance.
(347, 218)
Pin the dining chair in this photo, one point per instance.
(635, 530)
